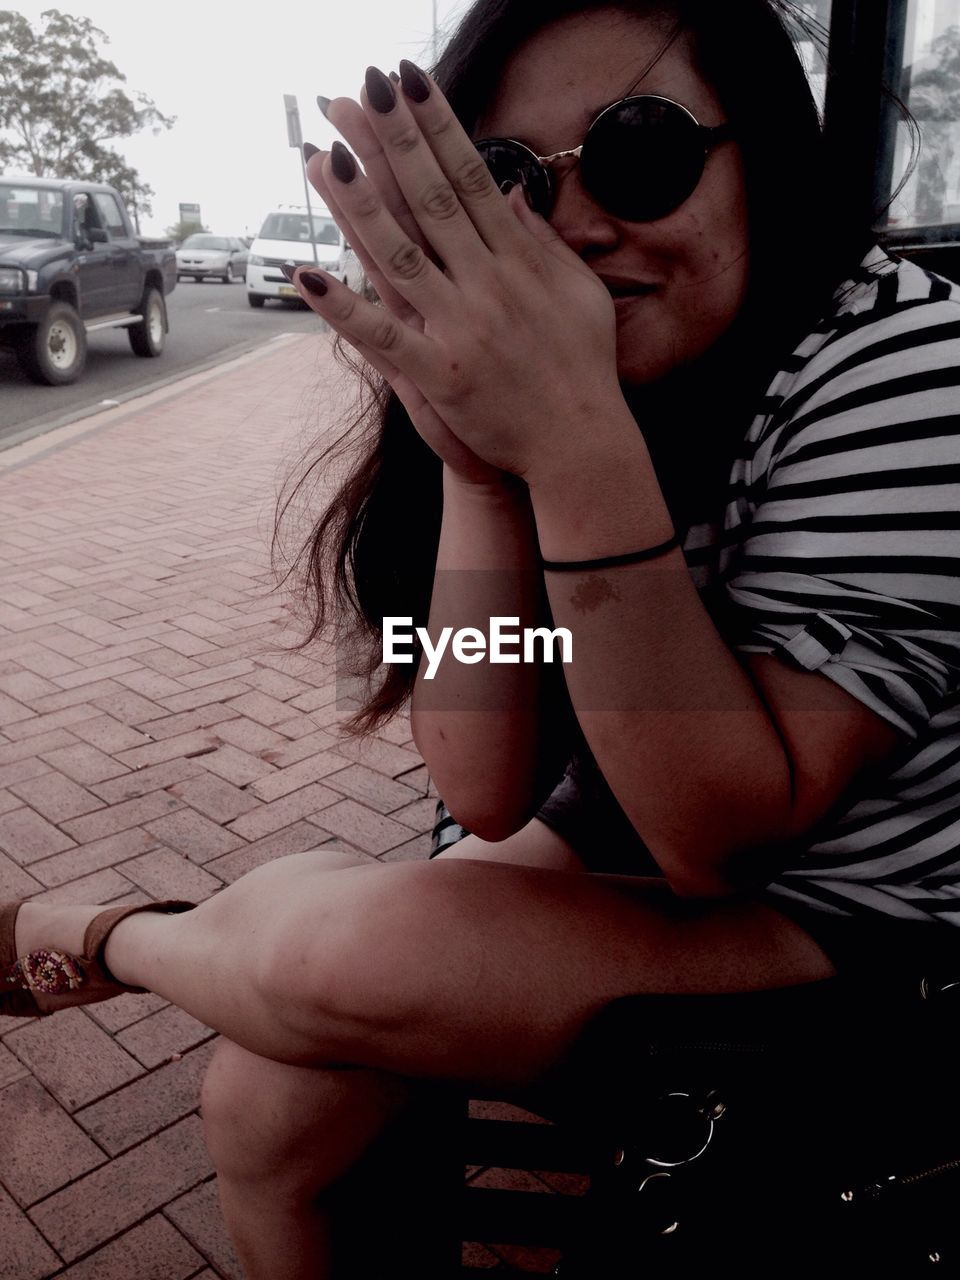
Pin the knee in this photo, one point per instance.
(251, 1122)
(295, 1129)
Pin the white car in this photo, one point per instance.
(286, 237)
(203, 255)
(351, 272)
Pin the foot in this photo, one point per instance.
(52, 958)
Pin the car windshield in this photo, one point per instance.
(30, 211)
(296, 226)
(205, 242)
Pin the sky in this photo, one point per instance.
(223, 70)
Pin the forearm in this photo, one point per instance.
(478, 725)
(675, 723)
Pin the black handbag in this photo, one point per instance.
(776, 1133)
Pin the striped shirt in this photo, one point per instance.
(839, 551)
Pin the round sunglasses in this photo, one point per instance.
(641, 158)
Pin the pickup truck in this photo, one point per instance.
(70, 263)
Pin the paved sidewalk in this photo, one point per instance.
(156, 742)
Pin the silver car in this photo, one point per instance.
(203, 255)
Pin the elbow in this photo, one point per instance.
(486, 823)
(486, 807)
(720, 874)
(486, 813)
(726, 873)
(735, 855)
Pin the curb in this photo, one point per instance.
(32, 443)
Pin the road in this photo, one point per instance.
(209, 323)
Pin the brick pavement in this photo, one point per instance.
(156, 741)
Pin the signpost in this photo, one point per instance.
(190, 214)
(295, 139)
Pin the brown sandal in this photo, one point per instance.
(54, 976)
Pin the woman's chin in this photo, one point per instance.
(649, 350)
(639, 363)
(644, 352)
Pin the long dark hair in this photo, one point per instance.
(372, 551)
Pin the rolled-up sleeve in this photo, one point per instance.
(849, 564)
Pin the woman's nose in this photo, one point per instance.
(576, 216)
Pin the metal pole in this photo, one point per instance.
(295, 139)
(306, 190)
(434, 32)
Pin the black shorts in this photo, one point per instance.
(874, 944)
(583, 811)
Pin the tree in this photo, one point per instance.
(935, 92)
(136, 194)
(62, 102)
(935, 103)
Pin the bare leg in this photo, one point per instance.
(453, 969)
(282, 1138)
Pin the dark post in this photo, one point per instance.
(854, 110)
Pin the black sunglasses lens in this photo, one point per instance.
(642, 159)
(513, 165)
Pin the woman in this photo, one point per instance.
(770, 706)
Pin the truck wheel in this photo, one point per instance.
(228, 276)
(256, 299)
(146, 338)
(55, 352)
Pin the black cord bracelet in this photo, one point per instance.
(610, 562)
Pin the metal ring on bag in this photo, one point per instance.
(930, 989)
(676, 1164)
(669, 1229)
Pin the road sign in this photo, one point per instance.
(190, 213)
(294, 136)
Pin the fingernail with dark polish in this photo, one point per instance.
(415, 83)
(394, 77)
(288, 268)
(323, 103)
(313, 283)
(342, 162)
(309, 150)
(379, 91)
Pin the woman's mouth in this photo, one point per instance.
(627, 290)
(625, 302)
